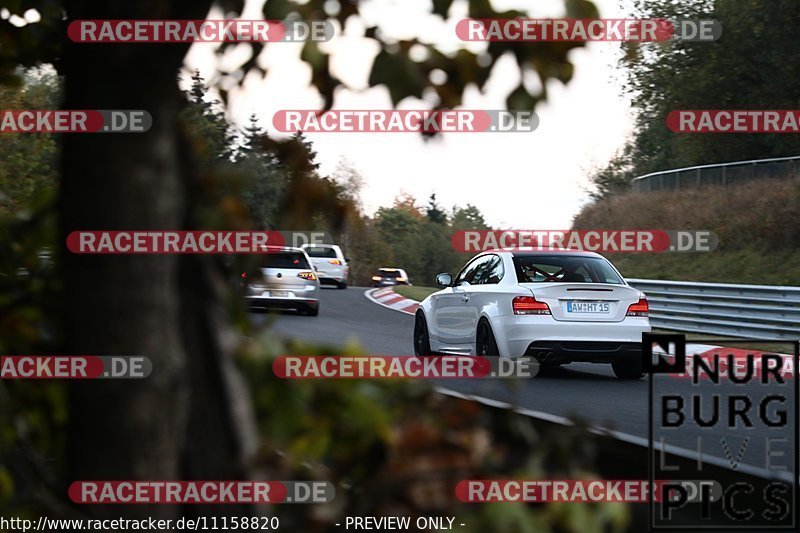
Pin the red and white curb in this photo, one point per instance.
(390, 299)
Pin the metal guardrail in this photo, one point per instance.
(720, 174)
(754, 311)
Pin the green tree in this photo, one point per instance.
(469, 217)
(614, 178)
(212, 137)
(29, 162)
(350, 181)
(434, 213)
(420, 243)
(266, 179)
(737, 72)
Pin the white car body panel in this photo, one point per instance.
(452, 314)
(326, 271)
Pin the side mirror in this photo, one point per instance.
(444, 280)
(347, 259)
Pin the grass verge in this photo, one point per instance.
(759, 239)
(756, 267)
(414, 292)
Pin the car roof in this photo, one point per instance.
(534, 253)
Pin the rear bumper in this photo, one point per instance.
(282, 303)
(332, 274)
(556, 352)
(331, 281)
(516, 333)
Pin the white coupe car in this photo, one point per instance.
(556, 306)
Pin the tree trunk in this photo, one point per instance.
(191, 418)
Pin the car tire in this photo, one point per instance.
(422, 342)
(341, 285)
(628, 368)
(312, 311)
(485, 343)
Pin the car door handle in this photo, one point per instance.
(465, 298)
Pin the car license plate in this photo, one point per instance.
(280, 294)
(601, 308)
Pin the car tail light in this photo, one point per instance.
(528, 305)
(640, 308)
(335, 262)
(401, 279)
(307, 275)
(376, 278)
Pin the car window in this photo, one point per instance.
(464, 271)
(472, 272)
(494, 271)
(605, 275)
(321, 251)
(284, 260)
(565, 268)
(390, 273)
(480, 271)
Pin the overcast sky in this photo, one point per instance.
(531, 180)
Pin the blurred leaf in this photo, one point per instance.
(520, 99)
(278, 9)
(581, 9)
(441, 7)
(400, 75)
(320, 74)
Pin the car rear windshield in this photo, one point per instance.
(566, 268)
(284, 260)
(389, 273)
(321, 251)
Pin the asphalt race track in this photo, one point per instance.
(579, 390)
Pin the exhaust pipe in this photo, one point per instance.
(544, 356)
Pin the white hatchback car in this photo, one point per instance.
(330, 263)
(556, 306)
(283, 279)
